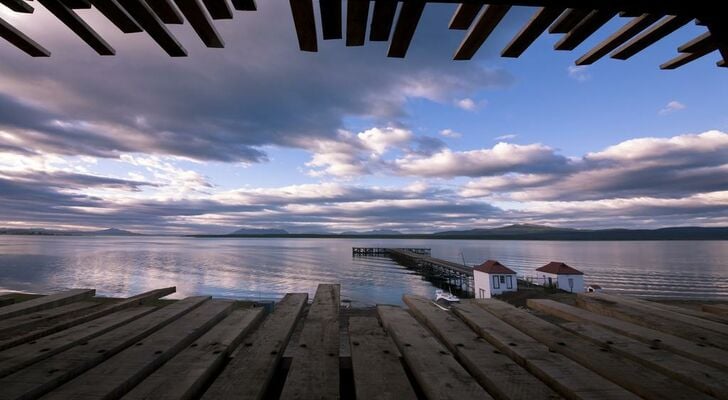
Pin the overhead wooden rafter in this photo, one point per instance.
(396, 21)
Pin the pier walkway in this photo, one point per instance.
(74, 345)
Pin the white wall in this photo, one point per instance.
(562, 281)
(485, 282)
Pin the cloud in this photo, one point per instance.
(505, 137)
(579, 73)
(467, 104)
(671, 107)
(449, 133)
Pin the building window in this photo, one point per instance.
(496, 282)
(510, 282)
(482, 293)
(571, 285)
(503, 279)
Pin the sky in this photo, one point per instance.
(262, 135)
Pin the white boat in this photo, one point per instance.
(447, 296)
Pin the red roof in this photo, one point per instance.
(493, 267)
(559, 268)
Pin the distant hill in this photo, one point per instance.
(51, 232)
(539, 232)
(374, 232)
(253, 232)
(517, 229)
(112, 232)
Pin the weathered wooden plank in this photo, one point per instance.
(200, 22)
(117, 375)
(18, 357)
(496, 372)
(682, 314)
(185, 375)
(252, 367)
(699, 43)
(569, 19)
(29, 46)
(357, 15)
(590, 24)
(117, 15)
(538, 23)
(475, 38)
(652, 319)
(690, 349)
(437, 372)
(568, 378)
(382, 20)
(330, 18)
(17, 6)
(78, 26)
(465, 15)
(45, 302)
(166, 11)
(44, 376)
(139, 299)
(314, 373)
(404, 30)
(626, 32)
(646, 383)
(34, 319)
(150, 22)
(378, 373)
(218, 9)
(718, 309)
(244, 5)
(656, 32)
(303, 20)
(712, 381)
(5, 300)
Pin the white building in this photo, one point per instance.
(492, 278)
(562, 276)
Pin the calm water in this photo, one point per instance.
(268, 268)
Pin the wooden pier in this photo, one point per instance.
(456, 276)
(73, 345)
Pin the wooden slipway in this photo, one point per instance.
(73, 345)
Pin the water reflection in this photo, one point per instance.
(268, 268)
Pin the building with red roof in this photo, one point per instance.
(493, 278)
(559, 275)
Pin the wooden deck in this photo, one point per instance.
(73, 345)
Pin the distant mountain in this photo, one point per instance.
(540, 232)
(111, 232)
(374, 232)
(51, 232)
(517, 229)
(245, 231)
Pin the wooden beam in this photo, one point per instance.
(244, 5)
(656, 32)
(78, 26)
(330, 18)
(710, 380)
(113, 11)
(149, 21)
(303, 19)
(129, 367)
(479, 33)
(590, 24)
(682, 59)
(628, 31)
(538, 23)
(166, 11)
(568, 378)
(569, 20)
(218, 9)
(378, 372)
(382, 20)
(185, 375)
(697, 44)
(357, 16)
(646, 383)
(77, 4)
(42, 377)
(465, 15)
(24, 43)
(687, 348)
(434, 368)
(29, 321)
(16, 358)
(46, 302)
(404, 30)
(688, 315)
(717, 309)
(253, 365)
(17, 6)
(314, 372)
(496, 372)
(717, 27)
(200, 22)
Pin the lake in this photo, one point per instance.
(267, 268)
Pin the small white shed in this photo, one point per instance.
(492, 278)
(562, 276)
